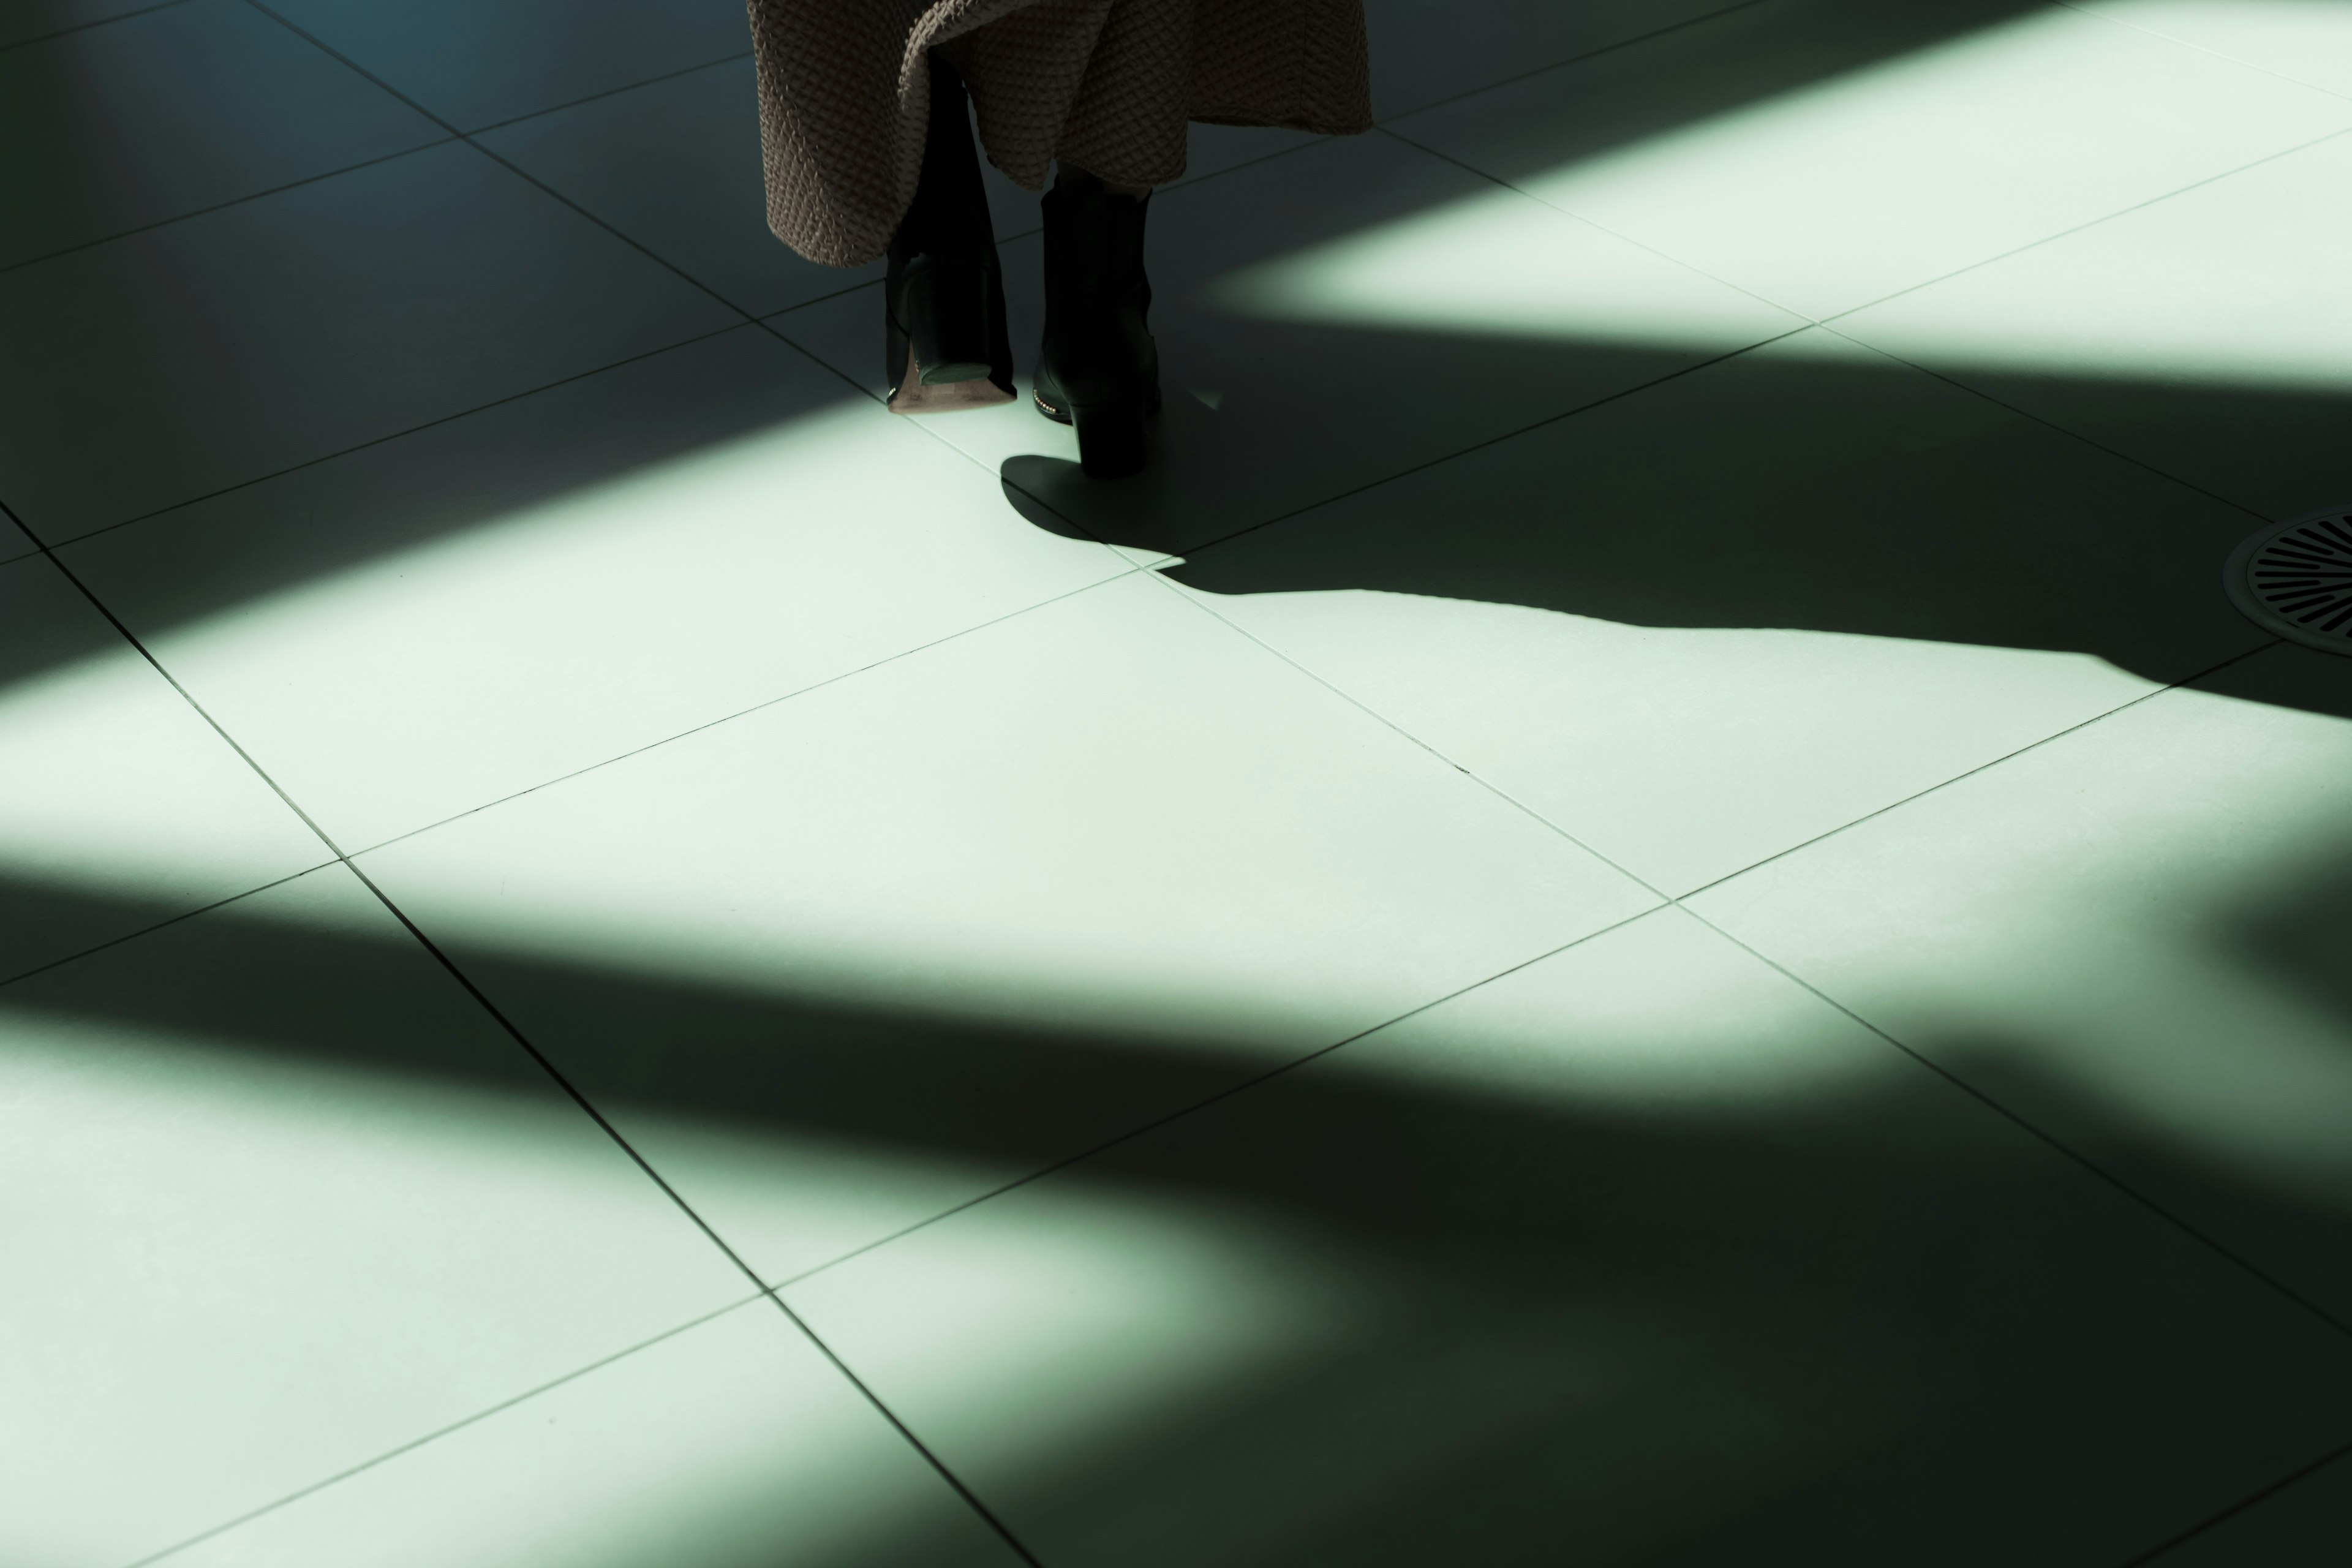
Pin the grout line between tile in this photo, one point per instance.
(1678, 902)
(458, 1425)
(1203, 1103)
(1639, 244)
(773, 1293)
(2048, 424)
(515, 1033)
(376, 441)
(1828, 325)
(744, 318)
(1593, 54)
(509, 165)
(2052, 1141)
(167, 921)
(2333, 1456)
(189, 697)
(136, 229)
(2230, 173)
(1482, 444)
(1391, 130)
(608, 92)
(1128, 570)
(2201, 48)
(86, 27)
(939, 1466)
(1199, 603)
(2185, 682)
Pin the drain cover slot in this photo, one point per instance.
(2296, 580)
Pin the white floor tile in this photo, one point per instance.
(471, 657)
(675, 166)
(2309, 40)
(1642, 1245)
(1325, 319)
(2207, 335)
(828, 799)
(1709, 621)
(211, 352)
(1851, 153)
(173, 110)
(288, 1198)
(840, 965)
(119, 806)
(2132, 936)
(482, 62)
(733, 1445)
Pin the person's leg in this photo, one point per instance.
(1133, 193)
(1098, 368)
(945, 337)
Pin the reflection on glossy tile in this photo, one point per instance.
(2303, 1525)
(300, 1202)
(2132, 936)
(474, 659)
(1854, 155)
(675, 166)
(481, 62)
(1642, 1236)
(165, 113)
(173, 363)
(2205, 335)
(1720, 618)
(1277, 399)
(733, 1445)
(119, 806)
(841, 963)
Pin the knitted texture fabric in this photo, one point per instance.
(1108, 85)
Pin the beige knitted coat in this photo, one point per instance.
(1106, 84)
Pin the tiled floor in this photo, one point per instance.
(1641, 907)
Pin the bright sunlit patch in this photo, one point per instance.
(111, 784)
(1659, 1017)
(2110, 949)
(731, 1445)
(1116, 1313)
(1502, 265)
(433, 679)
(2309, 40)
(1825, 199)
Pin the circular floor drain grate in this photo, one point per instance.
(2297, 579)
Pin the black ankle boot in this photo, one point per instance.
(945, 339)
(1099, 369)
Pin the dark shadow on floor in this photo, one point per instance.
(1875, 1323)
(411, 489)
(1768, 490)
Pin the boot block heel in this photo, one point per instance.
(1111, 442)
(947, 320)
